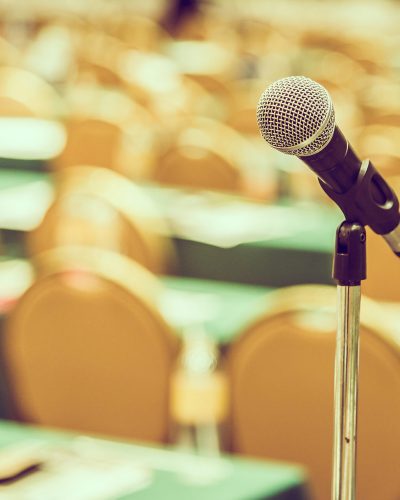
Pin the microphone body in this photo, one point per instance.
(337, 164)
(296, 116)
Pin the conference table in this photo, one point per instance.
(222, 310)
(68, 465)
(216, 236)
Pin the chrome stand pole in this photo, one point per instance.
(346, 389)
(349, 270)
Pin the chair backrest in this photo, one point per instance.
(383, 275)
(137, 31)
(383, 270)
(107, 128)
(197, 168)
(86, 348)
(90, 142)
(98, 207)
(12, 107)
(203, 154)
(246, 94)
(30, 91)
(282, 374)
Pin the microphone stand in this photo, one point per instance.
(370, 201)
(349, 268)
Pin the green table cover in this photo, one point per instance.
(177, 475)
(233, 240)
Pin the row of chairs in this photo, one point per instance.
(87, 348)
(96, 206)
(114, 71)
(121, 135)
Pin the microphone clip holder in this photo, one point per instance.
(349, 263)
(370, 201)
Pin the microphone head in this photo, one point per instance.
(295, 115)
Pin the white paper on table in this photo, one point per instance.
(230, 224)
(23, 207)
(70, 473)
(31, 138)
(185, 308)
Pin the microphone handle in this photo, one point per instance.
(337, 164)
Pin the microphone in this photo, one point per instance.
(295, 115)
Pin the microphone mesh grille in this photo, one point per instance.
(295, 115)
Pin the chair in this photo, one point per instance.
(97, 56)
(9, 54)
(90, 141)
(137, 31)
(197, 167)
(98, 207)
(383, 270)
(106, 128)
(281, 372)
(50, 52)
(86, 348)
(30, 91)
(211, 66)
(11, 107)
(205, 155)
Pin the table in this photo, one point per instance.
(216, 236)
(229, 239)
(160, 473)
(220, 308)
(30, 139)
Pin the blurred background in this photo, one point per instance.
(165, 275)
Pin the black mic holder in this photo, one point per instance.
(349, 263)
(370, 201)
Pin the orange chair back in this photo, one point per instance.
(204, 154)
(98, 207)
(90, 142)
(86, 348)
(282, 376)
